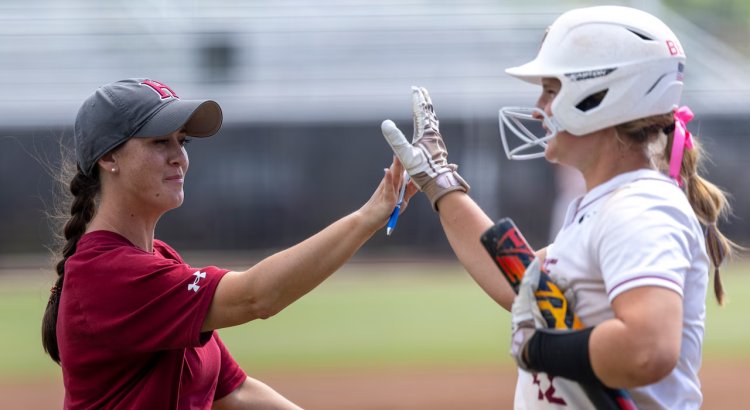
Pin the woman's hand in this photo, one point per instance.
(378, 208)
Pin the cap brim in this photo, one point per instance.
(201, 118)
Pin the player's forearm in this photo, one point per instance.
(286, 276)
(255, 394)
(277, 281)
(464, 222)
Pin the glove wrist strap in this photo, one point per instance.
(443, 184)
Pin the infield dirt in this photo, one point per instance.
(724, 384)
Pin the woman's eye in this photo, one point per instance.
(185, 141)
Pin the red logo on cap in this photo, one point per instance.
(163, 90)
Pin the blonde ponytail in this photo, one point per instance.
(710, 204)
(708, 201)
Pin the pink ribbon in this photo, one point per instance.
(680, 142)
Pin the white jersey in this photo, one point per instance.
(636, 229)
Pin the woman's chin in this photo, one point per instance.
(549, 155)
(175, 201)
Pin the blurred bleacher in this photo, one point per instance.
(304, 85)
(298, 60)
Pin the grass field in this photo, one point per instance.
(366, 316)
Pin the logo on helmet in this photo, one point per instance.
(587, 75)
(673, 48)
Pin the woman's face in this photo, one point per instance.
(565, 148)
(151, 172)
(550, 89)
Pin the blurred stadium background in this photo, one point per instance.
(304, 86)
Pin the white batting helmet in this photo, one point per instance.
(615, 64)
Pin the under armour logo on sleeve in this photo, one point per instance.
(198, 276)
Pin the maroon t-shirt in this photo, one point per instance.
(129, 329)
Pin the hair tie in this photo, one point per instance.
(53, 293)
(680, 142)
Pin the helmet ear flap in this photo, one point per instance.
(592, 101)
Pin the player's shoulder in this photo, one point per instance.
(646, 199)
(97, 242)
(163, 249)
(642, 190)
(110, 249)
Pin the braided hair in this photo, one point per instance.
(708, 201)
(84, 190)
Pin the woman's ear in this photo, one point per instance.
(108, 163)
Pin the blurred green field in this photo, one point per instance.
(366, 316)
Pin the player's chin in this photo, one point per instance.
(550, 154)
(175, 200)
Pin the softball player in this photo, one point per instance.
(131, 324)
(632, 252)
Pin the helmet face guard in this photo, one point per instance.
(532, 126)
(615, 64)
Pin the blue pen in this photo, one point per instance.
(394, 215)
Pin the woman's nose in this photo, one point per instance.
(178, 156)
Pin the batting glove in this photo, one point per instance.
(426, 157)
(526, 316)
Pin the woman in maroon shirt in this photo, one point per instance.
(131, 324)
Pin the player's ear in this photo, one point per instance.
(108, 162)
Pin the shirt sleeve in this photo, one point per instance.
(642, 240)
(231, 376)
(145, 302)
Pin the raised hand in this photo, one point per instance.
(426, 157)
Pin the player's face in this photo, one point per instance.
(151, 171)
(550, 89)
(565, 148)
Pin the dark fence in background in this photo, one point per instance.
(258, 187)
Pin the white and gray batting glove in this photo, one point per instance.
(426, 157)
(526, 316)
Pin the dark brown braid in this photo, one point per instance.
(708, 201)
(84, 190)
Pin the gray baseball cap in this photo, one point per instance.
(137, 107)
